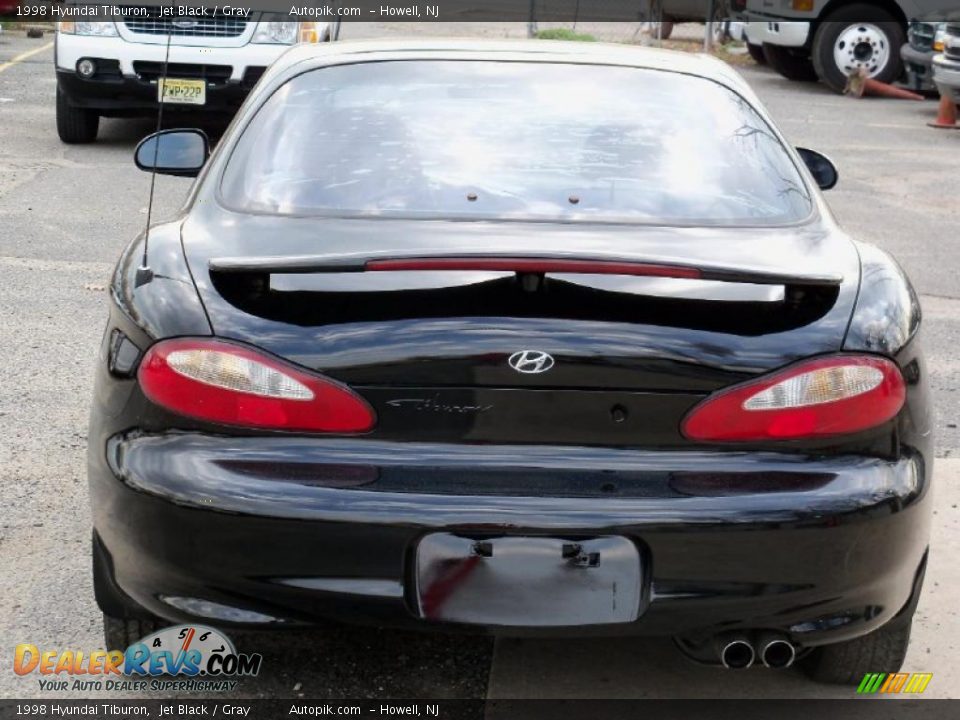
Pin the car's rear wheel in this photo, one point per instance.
(75, 125)
(846, 663)
(844, 44)
(121, 633)
(790, 63)
(756, 52)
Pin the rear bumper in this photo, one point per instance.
(823, 550)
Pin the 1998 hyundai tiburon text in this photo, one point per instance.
(526, 338)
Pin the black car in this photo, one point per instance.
(521, 338)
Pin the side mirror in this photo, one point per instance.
(821, 167)
(173, 152)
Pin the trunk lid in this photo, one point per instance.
(430, 349)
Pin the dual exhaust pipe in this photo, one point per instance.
(740, 651)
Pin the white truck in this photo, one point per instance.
(114, 68)
(831, 39)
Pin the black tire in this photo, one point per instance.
(666, 30)
(656, 15)
(792, 64)
(75, 125)
(838, 22)
(721, 27)
(756, 52)
(846, 663)
(121, 633)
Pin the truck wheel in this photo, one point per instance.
(844, 44)
(121, 633)
(656, 16)
(847, 662)
(793, 65)
(75, 125)
(756, 52)
(651, 29)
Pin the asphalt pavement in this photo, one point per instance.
(67, 211)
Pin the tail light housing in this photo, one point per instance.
(827, 396)
(232, 384)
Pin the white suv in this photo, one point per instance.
(114, 68)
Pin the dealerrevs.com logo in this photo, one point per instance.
(203, 655)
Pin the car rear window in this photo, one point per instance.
(513, 140)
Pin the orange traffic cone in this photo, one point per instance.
(946, 115)
(859, 85)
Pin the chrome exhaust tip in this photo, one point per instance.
(777, 653)
(737, 654)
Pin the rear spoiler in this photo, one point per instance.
(521, 264)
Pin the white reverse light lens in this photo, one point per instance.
(817, 387)
(236, 373)
(277, 33)
(98, 29)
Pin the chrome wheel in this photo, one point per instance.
(863, 46)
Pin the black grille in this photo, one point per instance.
(922, 36)
(151, 72)
(214, 25)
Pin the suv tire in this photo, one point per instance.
(756, 52)
(880, 39)
(75, 125)
(790, 63)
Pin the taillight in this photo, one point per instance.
(827, 396)
(235, 385)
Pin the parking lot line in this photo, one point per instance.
(23, 56)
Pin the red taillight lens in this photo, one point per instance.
(535, 265)
(822, 397)
(236, 385)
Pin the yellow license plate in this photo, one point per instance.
(183, 92)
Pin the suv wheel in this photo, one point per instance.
(788, 62)
(844, 44)
(75, 125)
